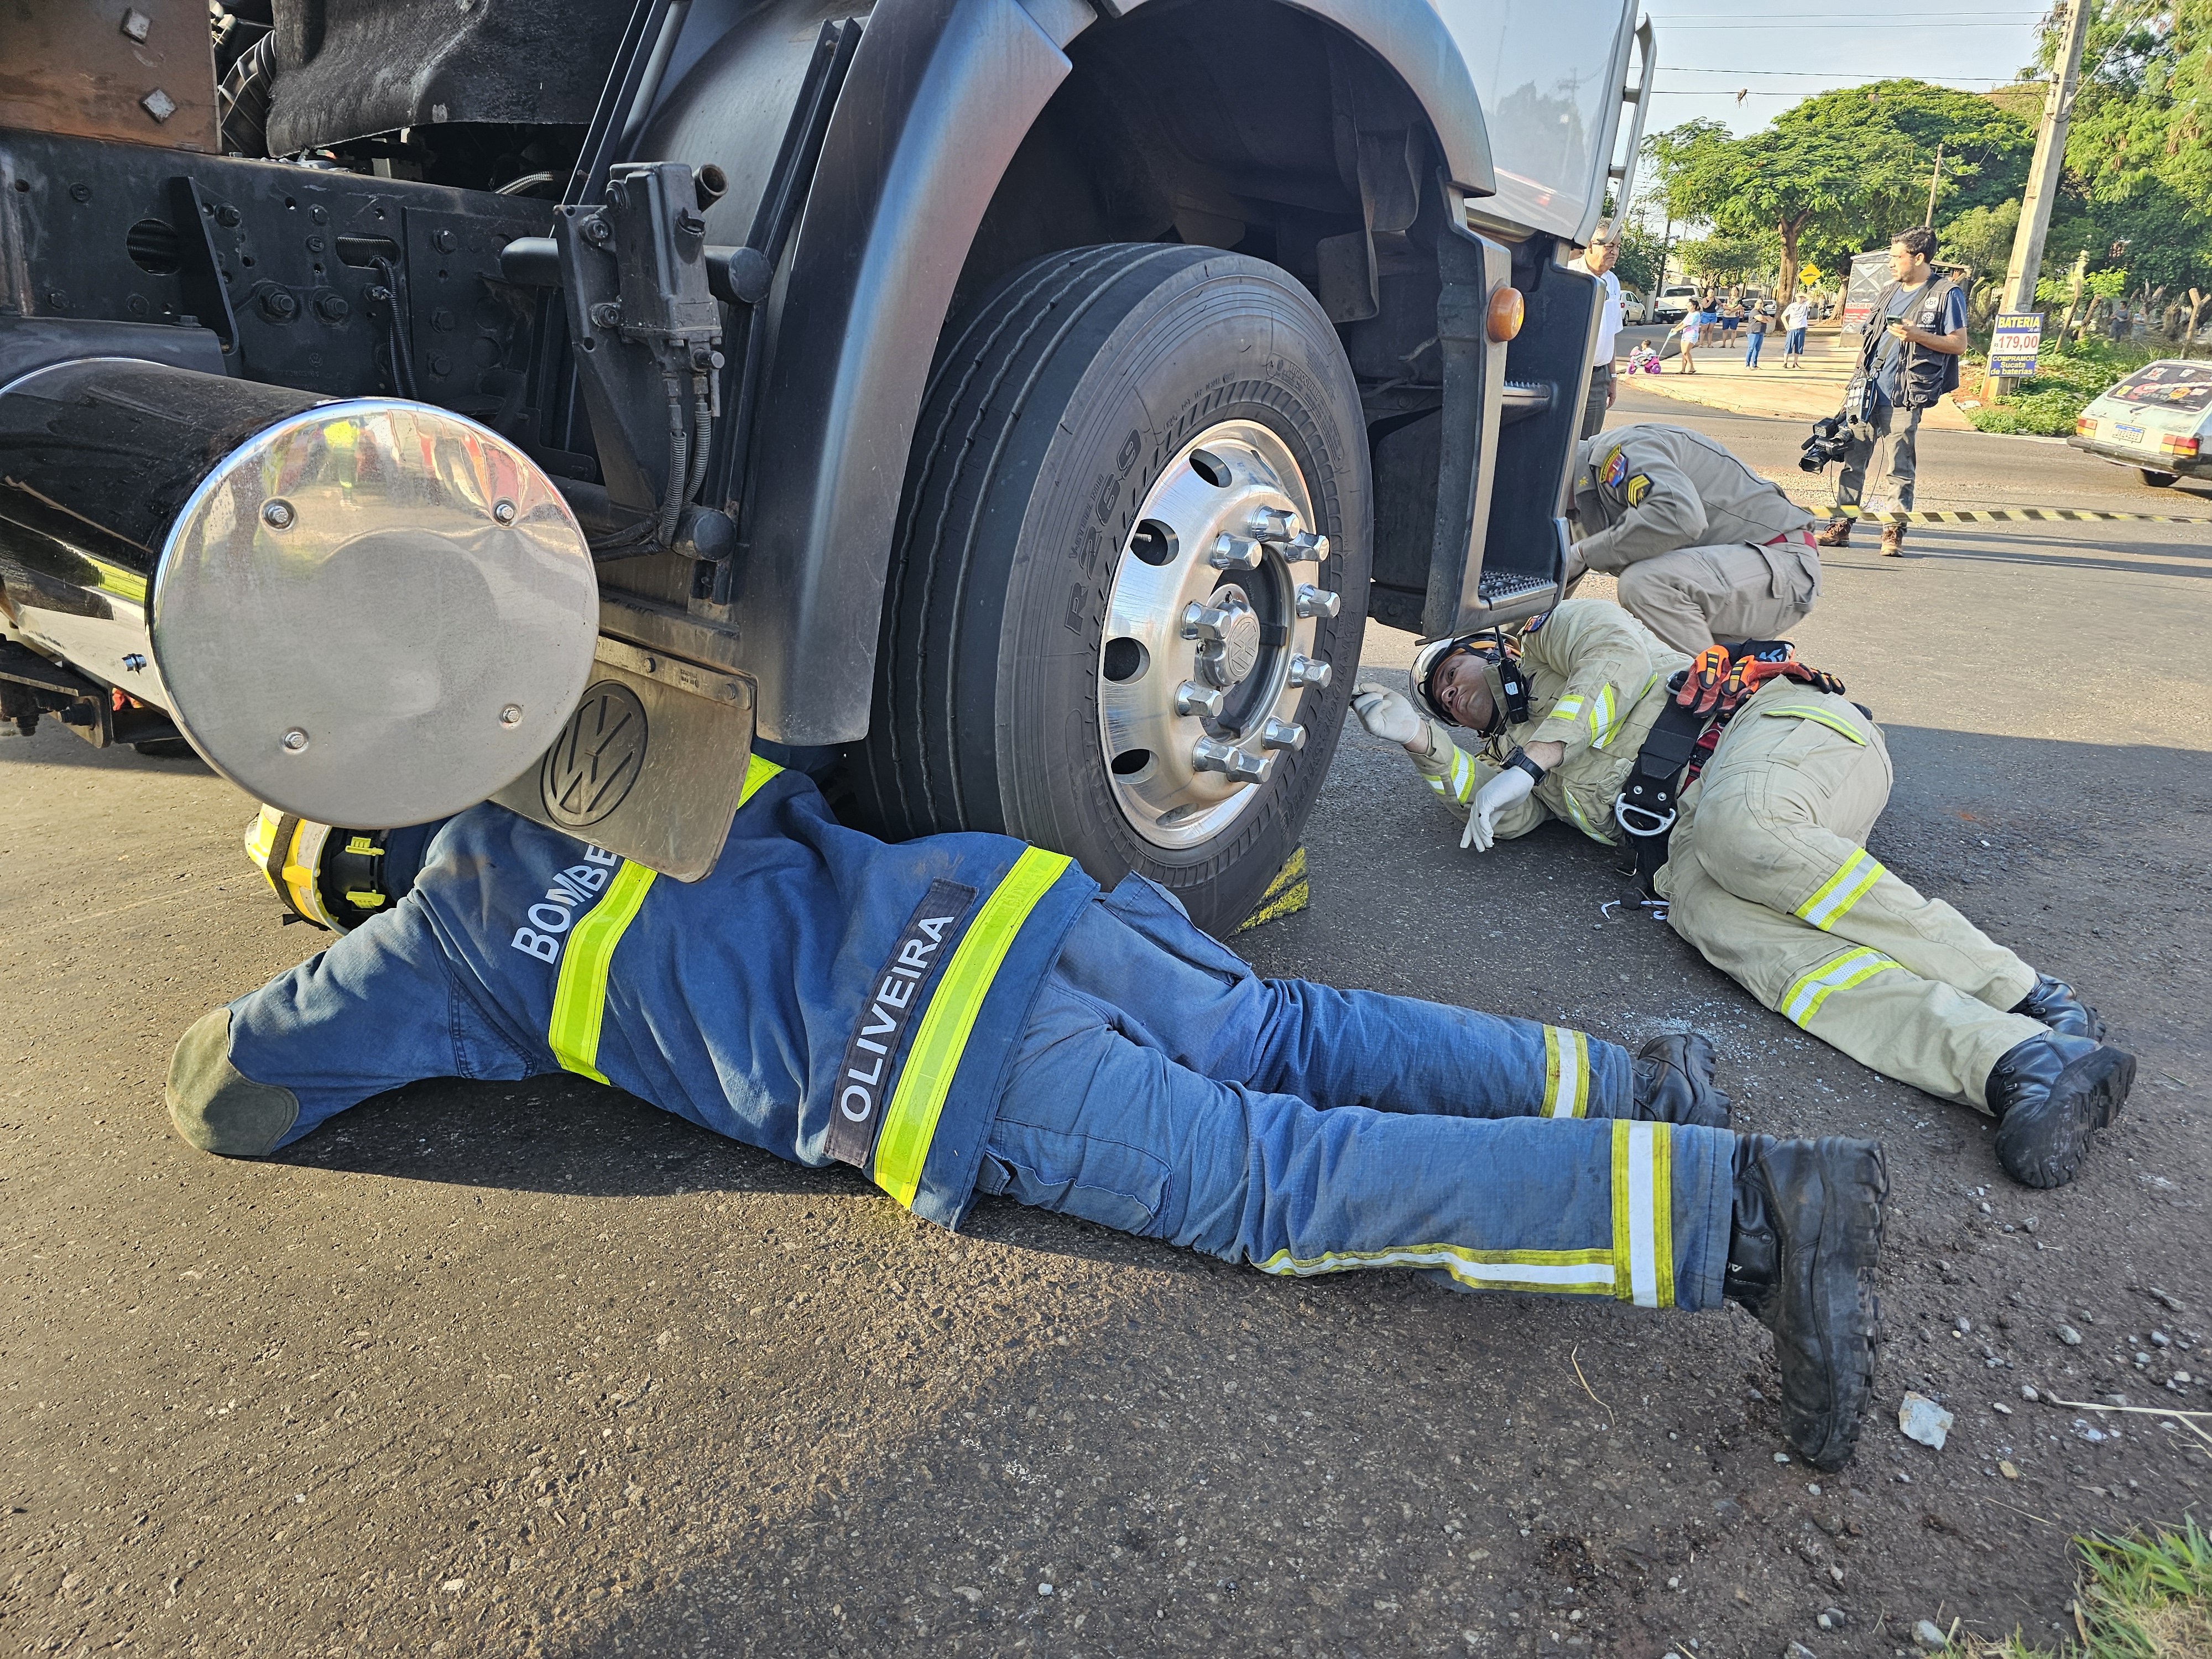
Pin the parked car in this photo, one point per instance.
(1024, 406)
(1632, 310)
(2158, 421)
(1675, 303)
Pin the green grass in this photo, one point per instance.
(2144, 1596)
(2047, 405)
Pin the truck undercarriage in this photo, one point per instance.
(1031, 401)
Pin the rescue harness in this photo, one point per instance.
(1705, 697)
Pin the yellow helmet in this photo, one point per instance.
(333, 878)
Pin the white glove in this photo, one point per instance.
(1387, 715)
(1501, 792)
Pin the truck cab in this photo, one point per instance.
(1019, 405)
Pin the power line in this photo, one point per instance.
(1847, 23)
(1833, 75)
(1864, 16)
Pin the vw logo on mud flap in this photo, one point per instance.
(588, 774)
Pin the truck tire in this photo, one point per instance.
(1106, 629)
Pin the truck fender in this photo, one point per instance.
(940, 96)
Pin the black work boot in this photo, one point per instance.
(2049, 1095)
(1674, 1082)
(1800, 1258)
(2059, 1005)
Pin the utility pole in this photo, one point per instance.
(1934, 178)
(2043, 173)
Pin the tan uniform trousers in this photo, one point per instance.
(1775, 890)
(1696, 595)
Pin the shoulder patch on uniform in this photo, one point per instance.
(1534, 623)
(1639, 486)
(1616, 467)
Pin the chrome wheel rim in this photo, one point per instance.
(1207, 662)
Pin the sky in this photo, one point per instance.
(1710, 49)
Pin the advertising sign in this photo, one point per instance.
(2013, 345)
(1869, 274)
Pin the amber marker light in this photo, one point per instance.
(1507, 312)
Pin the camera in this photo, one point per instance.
(1830, 442)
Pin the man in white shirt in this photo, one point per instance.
(1597, 259)
(1795, 316)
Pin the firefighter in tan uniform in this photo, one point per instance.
(1771, 797)
(1704, 548)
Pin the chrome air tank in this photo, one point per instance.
(369, 613)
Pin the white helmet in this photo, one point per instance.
(1508, 690)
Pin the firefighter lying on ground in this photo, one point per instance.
(1757, 846)
(961, 1014)
(1704, 548)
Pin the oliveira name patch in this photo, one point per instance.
(865, 1079)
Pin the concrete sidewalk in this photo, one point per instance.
(1805, 393)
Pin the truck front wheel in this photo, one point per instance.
(1125, 600)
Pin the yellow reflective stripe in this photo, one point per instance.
(1566, 1073)
(1565, 709)
(1642, 1213)
(1583, 824)
(910, 1121)
(1573, 1272)
(1613, 727)
(1805, 995)
(1840, 891)
(1462, 783)
(758, 772)
(580, 1000)
(1820, 717)
(1601, 715)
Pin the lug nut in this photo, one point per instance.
(1318, 601)
(1306, 547)
(1304, 671)
(1209, 754)
(503, 511)
(1201, 622)
(1282, 734)
(277, 514)
(1234, 553)
(1191, 698)
(1273, 523)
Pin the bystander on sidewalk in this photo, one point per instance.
(1812, 388)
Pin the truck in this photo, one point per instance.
(1015, 410)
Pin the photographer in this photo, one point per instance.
(1905, 363)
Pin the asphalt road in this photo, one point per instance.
(533, 1369)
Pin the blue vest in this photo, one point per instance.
(821, 995)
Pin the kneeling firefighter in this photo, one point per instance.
(1745, 783)
(963, 1014)
(1704, 548)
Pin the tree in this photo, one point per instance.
(1725, 260)
(1986, 146)
(1640, 253)
(2139, 152)
(1981, 238)
(1779, 181)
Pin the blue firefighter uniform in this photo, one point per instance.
(963, 1013)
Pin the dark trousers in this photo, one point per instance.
(1600, 387)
